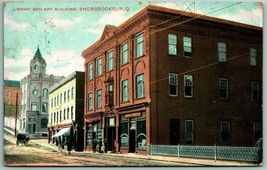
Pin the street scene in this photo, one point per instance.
(133, 84)
(39, 153)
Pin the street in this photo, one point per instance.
(37, 155)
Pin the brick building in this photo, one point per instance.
(65, 113)
(11, 91)
(170, 77)
(11, 103)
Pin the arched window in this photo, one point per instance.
(45, 92)
(44, 122)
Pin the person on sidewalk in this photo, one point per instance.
(94, 145)
(69, 145)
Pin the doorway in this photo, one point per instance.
(174, 131)
(132, 137)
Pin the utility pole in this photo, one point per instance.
(16, 114)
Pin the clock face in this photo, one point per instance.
(35, 68)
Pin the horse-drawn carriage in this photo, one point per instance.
(22, 138)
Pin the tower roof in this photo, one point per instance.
(37, 54)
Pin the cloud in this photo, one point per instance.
(114, 18)
(168, 5)
(18, 67)
(14, 25)
(61, 23)
(64, 62)
(252, 17)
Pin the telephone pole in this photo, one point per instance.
(16, 114)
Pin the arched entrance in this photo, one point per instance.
(110, 131)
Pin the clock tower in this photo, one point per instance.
(38, 64)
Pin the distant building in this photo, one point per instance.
(11, 103)
(169, 77)
(66, 109)
(34, 97)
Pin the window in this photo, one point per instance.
(72, 93)
(9, 93)
(45, 92)
(89, 101)
(60, 98)
(223, 86)
(255, 94)
(225, 132)
(124, 53)
(34, 92)
(189, 128)
(173, 78)
(60, 115)
(68, 95)
(64, 116)
(98, 98)
(90, 71)
(253, 56)
(172, 43)
(139, 45)
(68, 113)
(125, 90)
(44, 107)
(188, 85)
(222, 52)
(71, 112)
(55, 101)
(187, 47)
(52, 103)
(98, 67)
(65, 96)
(140, 86)
(109, 61)
(33, 106)
(8, 102)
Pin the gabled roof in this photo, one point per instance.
(37, 54)
(108, 32)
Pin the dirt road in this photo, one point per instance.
(36, 155)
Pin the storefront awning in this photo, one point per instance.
(64, 131)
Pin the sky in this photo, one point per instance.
(62, 30)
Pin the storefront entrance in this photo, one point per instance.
(132, 137)
(110, 135)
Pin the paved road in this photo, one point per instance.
(37, 155)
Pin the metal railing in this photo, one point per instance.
(249, 154)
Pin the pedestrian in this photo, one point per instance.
(259, 147)
(69, 145)
(94, 145)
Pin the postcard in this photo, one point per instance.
(132, 84)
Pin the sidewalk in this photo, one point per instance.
(194, 161)
(198, 162)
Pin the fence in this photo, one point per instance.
(208, 152)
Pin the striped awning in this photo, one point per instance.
(63, 131)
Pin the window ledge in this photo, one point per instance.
(140, 98)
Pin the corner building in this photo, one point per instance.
(168, 77)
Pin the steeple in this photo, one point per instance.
(37, 54)
(38, 64)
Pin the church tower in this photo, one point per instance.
(38, 64)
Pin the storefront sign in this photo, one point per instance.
(133, 115)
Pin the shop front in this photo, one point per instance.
(132, 132)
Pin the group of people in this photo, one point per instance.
(102, 148)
